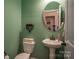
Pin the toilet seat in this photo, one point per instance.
(22, 56)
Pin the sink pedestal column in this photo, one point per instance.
(52, 53)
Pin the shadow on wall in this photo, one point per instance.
(20, 49)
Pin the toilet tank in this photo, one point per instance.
(28, 45)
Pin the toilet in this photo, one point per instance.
(28, 46)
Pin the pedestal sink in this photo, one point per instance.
(52, 45)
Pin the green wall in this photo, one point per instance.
(32, 13)
(12, 26)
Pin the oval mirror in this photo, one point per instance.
(53, 16)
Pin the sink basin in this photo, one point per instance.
(52, 43)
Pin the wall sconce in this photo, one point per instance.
(29, 27)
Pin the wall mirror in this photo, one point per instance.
(53, 16)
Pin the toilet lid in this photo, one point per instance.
(22, 56)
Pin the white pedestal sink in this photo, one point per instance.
(52, 45)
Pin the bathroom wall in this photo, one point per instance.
(12, 26)
(32, 13)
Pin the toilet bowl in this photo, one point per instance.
(28, 45)
(22, 56)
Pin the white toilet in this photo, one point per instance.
(28, 44)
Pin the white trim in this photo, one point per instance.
(50, 10)
(59, 16)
